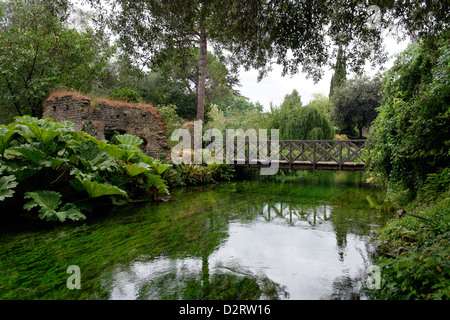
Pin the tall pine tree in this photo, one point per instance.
(340, 71)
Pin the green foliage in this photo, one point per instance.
(95, 189)
(52, 163)
(38, 53)
(7, 185)
(49, 202)
(172, 120)
(437, 185)
(127, 139)
(415, 256)
(321, 103)
(222, 172)
(340, 73)
(411, 135)
(195, 174)
(355, 104)
(159, 90)
(125, 94)
(185, 71)
(232, 104)
(296, 122)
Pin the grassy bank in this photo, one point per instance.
(414, 254)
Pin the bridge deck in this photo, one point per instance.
(342, 155)
(303, 165)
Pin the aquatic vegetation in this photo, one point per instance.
(260, 239)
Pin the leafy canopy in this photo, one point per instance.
(39, 52)
(355, 103)
(297, 122)
(411, 137)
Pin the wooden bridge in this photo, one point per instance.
(342, 155)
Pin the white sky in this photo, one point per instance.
(274, 87)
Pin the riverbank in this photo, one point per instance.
(414, 254)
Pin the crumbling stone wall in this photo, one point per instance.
(100, 115)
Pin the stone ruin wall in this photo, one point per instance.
(96, 117)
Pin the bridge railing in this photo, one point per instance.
(295, 153)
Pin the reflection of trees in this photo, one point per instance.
(348, 213)
(188, 283)
(195, 229)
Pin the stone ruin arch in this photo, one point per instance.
(100, 116)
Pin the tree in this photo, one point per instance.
(410, 137)
(38, 53)
(296, 122)
(321, 103)
(162, 29)
(219, 80)
(299, 35)
(340, 72)
(159, 90)
(356, 102)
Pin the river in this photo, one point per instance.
(303, 236)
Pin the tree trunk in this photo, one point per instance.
(360, 131)
(201, 87)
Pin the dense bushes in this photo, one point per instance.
(49, 167)
(297, 122)
(411, 135)
(196, 174)
(125, 94)
(415, 256)
(409, 152)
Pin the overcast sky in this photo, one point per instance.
(274, 87)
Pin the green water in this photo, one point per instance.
(301, 237)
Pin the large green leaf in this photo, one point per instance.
(95, 159)
(7, 183)
(6, 136)
(49, 202)
(95, 189)
(134, 170)
(43, 133)
(31, 153)
(129, 139)
(131, 151)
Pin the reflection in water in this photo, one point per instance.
(287, 250)
(298, 237)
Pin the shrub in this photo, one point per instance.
(195, 174)
(125, 94)
(221, 172)
(53, 166)
(410, 137)
(415, 256)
